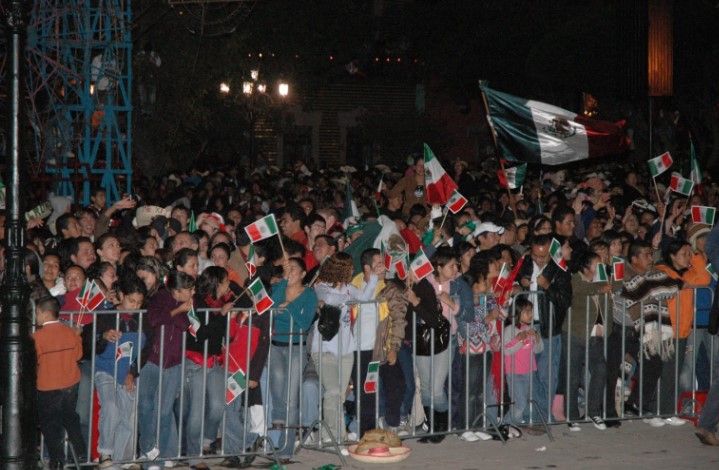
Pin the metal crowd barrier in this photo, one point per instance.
(317, 434)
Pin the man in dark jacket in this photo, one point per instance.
(553, 298)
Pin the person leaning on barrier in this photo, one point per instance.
(584, 337)
(678, 265)
(707, 425)
(640, 315)
(296, 306)
(540, 273)
(379, 331)
(334, 355)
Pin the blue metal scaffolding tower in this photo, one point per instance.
(80, 93)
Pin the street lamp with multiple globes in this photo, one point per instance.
(255, 101)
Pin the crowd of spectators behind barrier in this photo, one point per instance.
(142, 254)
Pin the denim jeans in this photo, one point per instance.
(545, 378)
(434, 390)
(235, 440)
(574, 351)
(519, 391)
(404, 359)
(310, 395)
(698, 353)
(151, 403)
(57, 413)
(213, 399)
(710, 413)
(471, 402)
(280, 359)
(117, 417)
(667, 398)
(84, 400)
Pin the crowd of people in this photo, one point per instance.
(619, 308)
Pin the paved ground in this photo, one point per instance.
(635, 445)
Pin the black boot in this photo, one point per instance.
(426, 426)
(440, 425)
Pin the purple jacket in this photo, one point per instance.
(158, 312)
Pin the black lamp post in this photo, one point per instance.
(255, 101)
(17, 349)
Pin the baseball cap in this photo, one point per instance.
(485, 227)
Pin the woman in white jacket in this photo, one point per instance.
(334, 354)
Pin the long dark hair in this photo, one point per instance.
(209, 281)
(177, 280)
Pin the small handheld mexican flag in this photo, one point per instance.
(600, 275)
(512, 178)
(710, 270)
(90, 296)
(501, 284)
(263, 228)
(617, 268)
(386, 257)
(192, 224)
(262, 300)
(660, 164)
(194, 322)
(420, 265)
(378, 193)
(696, 171)
(251, 264)
(401, 267)
(703, 215)
(681, 185)
(456, 202)
(438, 184)
(124, 350)
(370, 383)
(236, 384)
(555, 251)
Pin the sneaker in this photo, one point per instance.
(469, 436)
(130, 466)
(513, 432)
(311, 438)
(152, 454)
(574, 427)
(352, 437)
(154, 467)
(170, 464)
(399, 430)
(105, 461)
(655, 422)
(483, 436)
(344, 451)
(674, 421)
(598, 423)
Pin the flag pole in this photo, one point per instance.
(282, 245)
(496, 147)
(656, 188)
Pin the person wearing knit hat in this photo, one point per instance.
(697, 236)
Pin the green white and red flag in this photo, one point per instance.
(251, 263)
(600, 274)
(555, 251)
(696, 171)
(439, 185)
(401, 267)
(456, 202)
(370, 383)
(703, 215)
(420, 265)
(378, 193)
(263, 228)
(505, 281)
(386, 257)
(236, 384)
(710, 270)
(262, 301)
(660, 164)
(194, 322)
(512, 178)
(535, 132)
(123, 350)
(617, 268)
(90, 296)
(681, 185)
